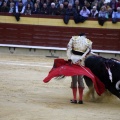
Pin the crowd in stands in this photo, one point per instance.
(79, 9)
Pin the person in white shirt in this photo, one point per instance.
(77, 49)
(116, 15)
(84, 12)
(94, 12)
(19, 8)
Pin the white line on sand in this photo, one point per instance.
(19, 63)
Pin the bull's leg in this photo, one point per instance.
(91, 92)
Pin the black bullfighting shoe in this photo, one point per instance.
(80, 102)
(73, 101)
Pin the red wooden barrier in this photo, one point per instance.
(52, 36)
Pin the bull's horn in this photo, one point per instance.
(118, 85)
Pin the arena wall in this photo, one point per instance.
(49, 33)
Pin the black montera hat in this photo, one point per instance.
(82, 34)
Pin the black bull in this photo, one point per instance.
(99, 66)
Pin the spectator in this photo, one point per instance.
(90, 1)
(20, 8)
(102, 16)
(1, 3)
(45, 9)
(95, 3)
(113, 4)
(4, 7)
(61, 1)
(61, 10)
(28, 2)
(82, 3)
(52, 9)
(84, 12)
(110, 11)
(77, 6)
(108, 8)
(103, 12)
(87, 4)
(116, 15)
(39, 4)
(42, 1)
(118, 4)
(107, 1)
(57, 3)
(48, 3)
(70, 10)
(10, 1)
(100, 4)
(66, 2)
(107, 5)
(36, 9)
(12, 7)
(23, 1)
(71, 1)
(94, 12)
(28, 9)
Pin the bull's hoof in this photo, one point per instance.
(73, 101)
(80, 102)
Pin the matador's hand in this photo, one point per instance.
(69, 61)
(78, 62)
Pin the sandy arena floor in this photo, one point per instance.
(24, 96)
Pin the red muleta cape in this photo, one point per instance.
(62, 67)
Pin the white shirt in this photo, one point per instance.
(79, 44)
(85, 13)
